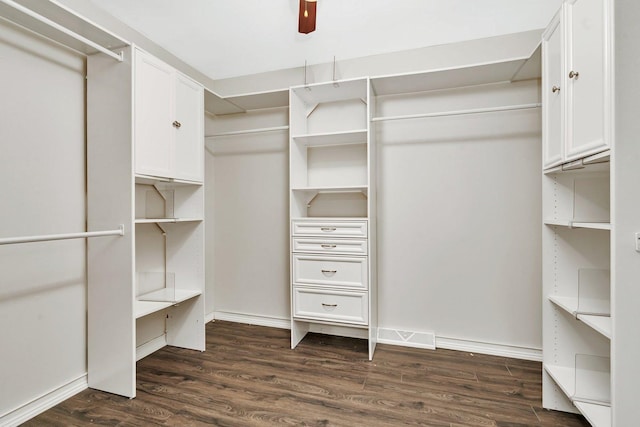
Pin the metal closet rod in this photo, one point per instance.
(460, 112)
(62, 29)
(66, 236)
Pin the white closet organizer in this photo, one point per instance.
(577, 206)
(145, 170)
(332, 210)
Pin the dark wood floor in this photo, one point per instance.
(250, 377)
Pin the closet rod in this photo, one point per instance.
(44, 238)
(62, 29)
(246, 131)
(459, 112)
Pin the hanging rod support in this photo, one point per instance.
(58, 27)
(66, 236)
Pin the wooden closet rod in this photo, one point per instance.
(459, 112)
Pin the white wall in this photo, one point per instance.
(42, 168)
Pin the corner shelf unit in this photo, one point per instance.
(332, 211)
(146, 290)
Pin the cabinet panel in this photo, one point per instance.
(189, 131)
(153, 112)
(552, 100)
(586, 74)
(330, 246)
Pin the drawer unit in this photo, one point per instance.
(332, 306)
(330, 246)
(337, 228)
(338, 271)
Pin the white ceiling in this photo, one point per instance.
(228, 38)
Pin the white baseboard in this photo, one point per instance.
(503, 350)
(426, 340)
(44, 402)
(252, 319)
(149, 347)
(209, 317)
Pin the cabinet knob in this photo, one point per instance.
(177, 124)
(555, 89)
(573, 74)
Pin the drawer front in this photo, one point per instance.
(330, 228)
(344, 307)
(338, 271)
(330, 246)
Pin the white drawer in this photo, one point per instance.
(333, 271)
(330, 228)
(330, 246)
(332, 306)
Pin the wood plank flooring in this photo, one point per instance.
(250, 377)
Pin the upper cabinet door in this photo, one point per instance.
(552, 94)
(153, 116)
(586, 74)
(189, 129)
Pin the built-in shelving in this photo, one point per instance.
(575, 306)
(582, 385)
(165, 220)
(578, 224)
(601, 324)
(597, 415)
(61, 24)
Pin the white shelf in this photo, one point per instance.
(159, 300)
(601, 324)
(358, 136)
(341, 189)
(579, 224)
(340, 90)
(165, 220)
(62, 25)
(571, 305)
(152, 180)
(565, 378)
(503, 71)
(594, 163)
(597, 415)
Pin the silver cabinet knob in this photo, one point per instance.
(177, 124)
(555, 89)
(573, 74)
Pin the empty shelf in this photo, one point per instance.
(597, 415)
(601, 324)
(591, 306)
(165, 220)
(358, 136)
(591, 381)
(334, 189)
(159, 300)
(579, 224)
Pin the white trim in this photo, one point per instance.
(503, 350)
(425, 340)
(209, 317)
(152, 346)
(252, 319)
(44, 402)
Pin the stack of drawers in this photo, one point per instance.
(330, 271)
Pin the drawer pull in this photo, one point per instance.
(329, 271)
(328, 246)
(329, 307)
(328, 229)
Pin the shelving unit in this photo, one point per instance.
(578, 185)
(146, 290)
(332, 211)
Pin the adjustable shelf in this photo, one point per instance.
(600, 324)
(573, 305)
(159, 300)
(582, 385)
(597, 415)
(578, 224)
(166, 220)
(358, 136)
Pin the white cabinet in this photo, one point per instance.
(168, 121)
(579, 161)
(576, 78)
(333, 211)
(147, 289)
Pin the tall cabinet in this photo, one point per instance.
(579, 157)
(333, 210)
(144, 170)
